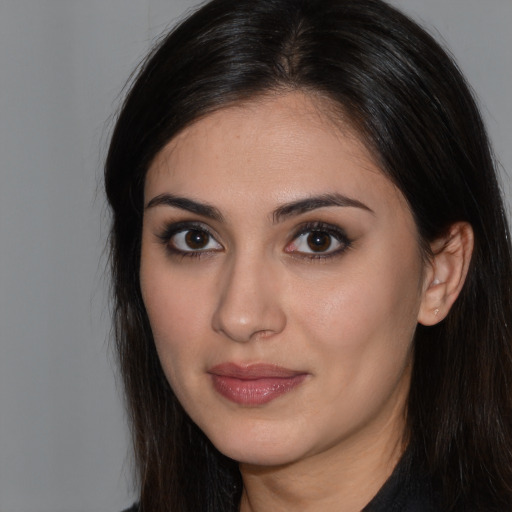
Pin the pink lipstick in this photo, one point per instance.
(254, 384)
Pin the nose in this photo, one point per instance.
(249, 301)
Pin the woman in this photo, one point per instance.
(312, 269)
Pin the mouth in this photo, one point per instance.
(254, 384)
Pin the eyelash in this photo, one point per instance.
(332, 231)
(172, 230)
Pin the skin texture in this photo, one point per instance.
(257, 293)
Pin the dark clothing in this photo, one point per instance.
(408, 489)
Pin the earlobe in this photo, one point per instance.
(447, 272)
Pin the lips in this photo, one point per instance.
(255, 384)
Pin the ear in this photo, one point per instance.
(446, 273)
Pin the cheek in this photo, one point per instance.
(172, 308)
(176, 324)
(169, 296)
(171, 303)
(359, 331)
(366, 313)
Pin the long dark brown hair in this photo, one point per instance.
(412, 108)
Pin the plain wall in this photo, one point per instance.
(63, 440)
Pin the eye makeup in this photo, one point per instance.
(318, 240)
(310, 241)
(188, 239)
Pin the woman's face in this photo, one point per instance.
(282, 277)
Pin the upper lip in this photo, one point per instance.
(253, 371)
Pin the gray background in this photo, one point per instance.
(63, 443)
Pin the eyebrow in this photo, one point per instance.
(315, 202)
(281, 213)
(189, 205)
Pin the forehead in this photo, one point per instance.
(273, 150)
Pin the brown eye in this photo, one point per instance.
(319, 241)
(194, 240)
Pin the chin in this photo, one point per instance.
(264, 446)
(257, 455)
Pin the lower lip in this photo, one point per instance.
(253, 392)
